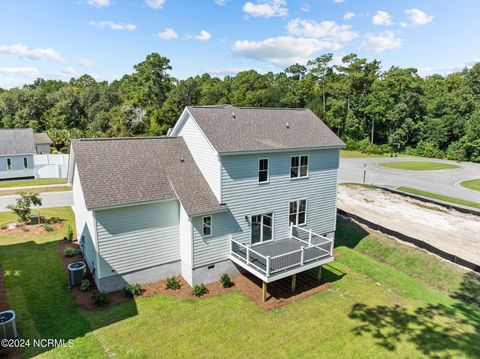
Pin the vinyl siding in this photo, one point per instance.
(17, 167)
(204, 155)
(245, 196)
(137, 237)
(215, 248)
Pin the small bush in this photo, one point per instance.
(226, 281)
(99, 299)
(23, 228)
(4, 226)
(199, 290)
(55, 220)
(428, 149)
(70, 233)
(173, 283)
(133, 290)
(85, 285)
(69, 252)
(48, 227)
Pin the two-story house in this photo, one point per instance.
(230, 189)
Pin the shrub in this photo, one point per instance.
(23, 228)
(54, 220)
(69, 252)
(70, 233)
(428, 149)
(99, 299)
(133, 290)
(22, 206)
(48, 227)
(85, 285)
(456, 151)
(226, 281)
(173, 283)
(4, 226)
(199, 290)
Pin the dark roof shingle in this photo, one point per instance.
(42, 139)
(17, 141)
(126, 171)
(237, 129)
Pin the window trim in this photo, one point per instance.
(25, 159)
(306, 211)
(273, 228)
(9, 167)
(268, 171)
(299, 166)
(209, 226)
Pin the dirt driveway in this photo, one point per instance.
(451, 231)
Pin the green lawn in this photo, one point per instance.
(8, 192)
(418, 165)
(471, 184)
(385, 300)
(440, 197)
(32, 182)
(356, 154)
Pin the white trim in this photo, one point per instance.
(209, 226)
(261, 231)
(300, 166)
(252, 152)
(268, 171)
(97, 247)
(298, 206)
(220, 164)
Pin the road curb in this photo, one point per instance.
(416, 242)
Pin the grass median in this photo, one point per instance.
(440, 197)
(418, 165)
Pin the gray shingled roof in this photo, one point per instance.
(16, 141)
(132, 170)
(42, 139)
(262, 129)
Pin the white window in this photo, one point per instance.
(298, 166)
(263, 170)
(298, 212)
(207, 226)
(25, 163)
(9, 164)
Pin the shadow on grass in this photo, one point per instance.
(37, 291)
(469, 291)
(348, 233)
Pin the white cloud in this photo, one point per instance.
(34, 54)
(20, 71)
(225, 71)
(202, 36)
(282, 50)
(305, 7)
(349, 16)
(85, 63)
(221, 2)
(66, 73)
(445, 70)
(418, 17)
(338, 1)
(380, 42)
(329, 30)
(266, 8)
(403, 24)
(99, 3)
(168, 34)
(382, 18)
(155, 4)
(113, 25)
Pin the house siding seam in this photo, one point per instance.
(137, 237)
(245, 196)
(203, 153)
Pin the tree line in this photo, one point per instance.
(395, 110)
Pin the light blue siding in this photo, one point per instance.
(88, 248)
(215, 248)
(245, 196)
(17, 167)
(137, 237)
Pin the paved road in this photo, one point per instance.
(443, 182)
(49, 199)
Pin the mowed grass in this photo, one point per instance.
(32, 182)
(440, 197)
(356, 154)
(9, 192)
(473, 184)
(418, 165)
(384, 300)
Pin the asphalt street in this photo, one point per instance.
(49, 199)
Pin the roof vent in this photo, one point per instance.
(182, 160)
(233, 114)
(287, 125)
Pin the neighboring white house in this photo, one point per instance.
(231, 189)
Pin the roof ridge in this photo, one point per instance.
(126, 138)
(274, 108)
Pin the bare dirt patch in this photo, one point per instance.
(449, 230)
(30, 230)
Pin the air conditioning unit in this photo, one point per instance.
(76, 271)
(8, 327)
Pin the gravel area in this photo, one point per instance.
(451, 231)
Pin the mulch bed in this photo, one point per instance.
(278, 293)
(30, 230)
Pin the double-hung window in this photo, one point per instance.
(298, 166)
(298, 212)
(207, 226)
(263, 170)
(9, 164)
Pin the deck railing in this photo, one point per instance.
(314, 247)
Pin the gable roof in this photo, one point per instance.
(238, 129)
(42, 139)
(132, 170)
(17, 141)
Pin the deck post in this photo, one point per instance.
(302, 255)
(247, 257)
(310, 237)
(290, 230)
(294, 282)
(319, 274)
(264, 291)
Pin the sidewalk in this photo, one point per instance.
(30, 187)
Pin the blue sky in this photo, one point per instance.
(105, 38)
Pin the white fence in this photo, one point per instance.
(50, 166)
